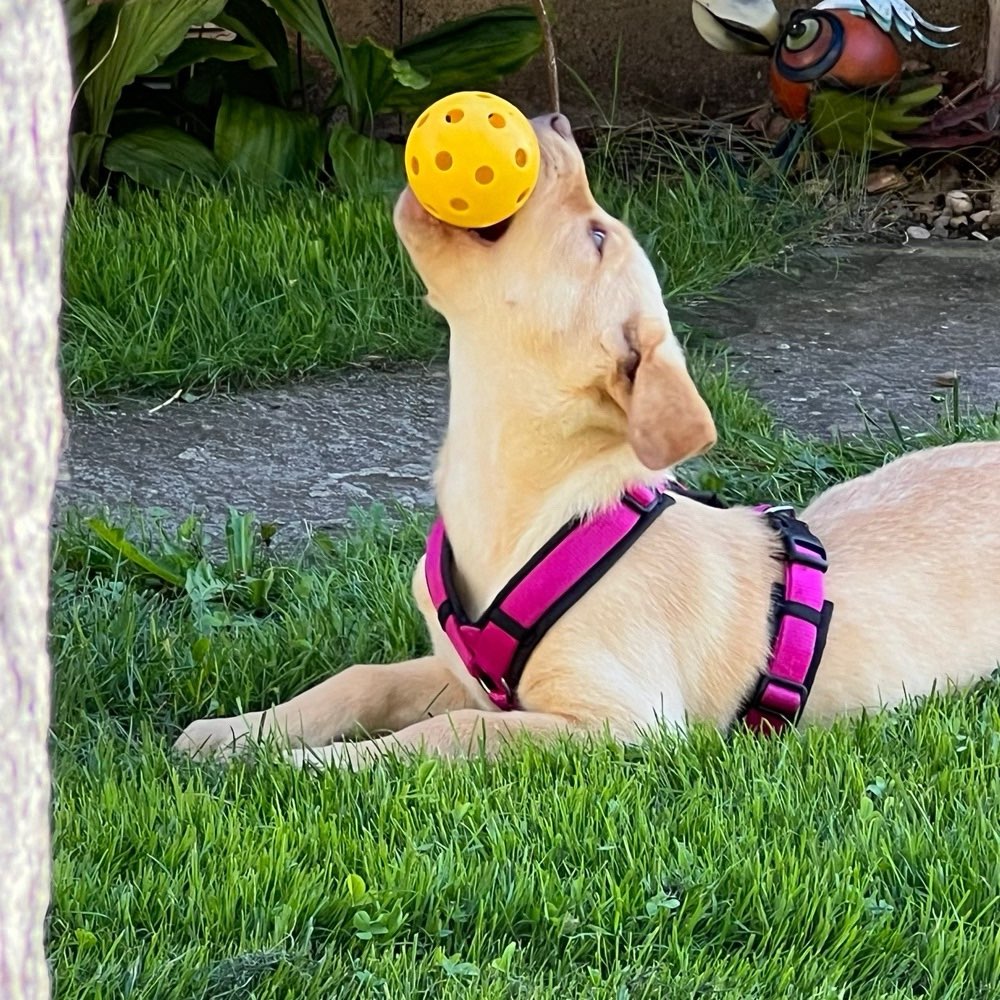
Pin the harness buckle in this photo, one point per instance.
(765, 680)
(800, 544)
(630, 499)
(486, 682)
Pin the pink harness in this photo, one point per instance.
(496, 647)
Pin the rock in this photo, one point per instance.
(980, 217)
(943, 219)
(994, 220)
(940, 232)
(958, 220)
(980, 236)
(918, 233)
(958, 202)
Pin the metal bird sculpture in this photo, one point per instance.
(835, 66)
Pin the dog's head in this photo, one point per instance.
(566, 283)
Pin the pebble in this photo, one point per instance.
(958, 202)
(978, 217)
(958, 220)
(918, 233)
(940, 232)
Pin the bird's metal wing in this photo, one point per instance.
(893, 15)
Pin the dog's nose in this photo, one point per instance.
(561, 126)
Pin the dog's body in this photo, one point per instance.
(567, 386)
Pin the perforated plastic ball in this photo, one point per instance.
(472, 159)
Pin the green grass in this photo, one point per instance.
(857, 862)
(237, 287)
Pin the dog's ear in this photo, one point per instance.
(668, 421)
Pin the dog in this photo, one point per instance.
(568, 389)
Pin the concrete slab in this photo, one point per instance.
(302, 457)
(875, 328)
(869, 326)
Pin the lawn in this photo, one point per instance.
(861, 861)
(237, 287)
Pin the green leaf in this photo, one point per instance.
(84, 149)
(133, 37)
(362, 165)
(365, 927)
(256, 22)
(504, 961)
(267, 144)
(79, 14)
(356, 888)
(84, 938)
(468, 54)
(859, 122)
(371, 73)
(239, 543)
(312, 19)
(661, 903)
(162, 157)
(198, 50)
(455, 968)
(200, 649)
(115, 537)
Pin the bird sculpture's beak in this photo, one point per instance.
(743, 26)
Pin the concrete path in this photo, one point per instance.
(878, 327)
(883, 328)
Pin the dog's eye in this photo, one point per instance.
(598, 236)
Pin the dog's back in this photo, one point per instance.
(914, 574)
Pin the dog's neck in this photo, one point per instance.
(519, 460)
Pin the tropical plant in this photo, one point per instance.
(162, 103)
(228, 108)
(467, 54)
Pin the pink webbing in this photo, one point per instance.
(792, 653)
(486, 649)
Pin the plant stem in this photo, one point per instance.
(550, 53)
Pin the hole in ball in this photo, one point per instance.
(521, 157)
(459, 204)
(423, 118)
(443, 160)
(497, 120)
(522, 196)
(456, 115)
(414, 165)
(484, 175)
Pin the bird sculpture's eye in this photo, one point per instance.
(802, 34)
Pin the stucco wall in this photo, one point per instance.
(660, 61)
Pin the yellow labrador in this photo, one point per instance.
(567, 388)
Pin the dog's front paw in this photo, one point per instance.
(219, 738)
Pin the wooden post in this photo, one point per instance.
(35, 95)
(992, 73)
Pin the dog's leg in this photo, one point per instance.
(462, 733)
(361, 700)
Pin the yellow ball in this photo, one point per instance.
(472, 159)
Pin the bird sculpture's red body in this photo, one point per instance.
(832, 47)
